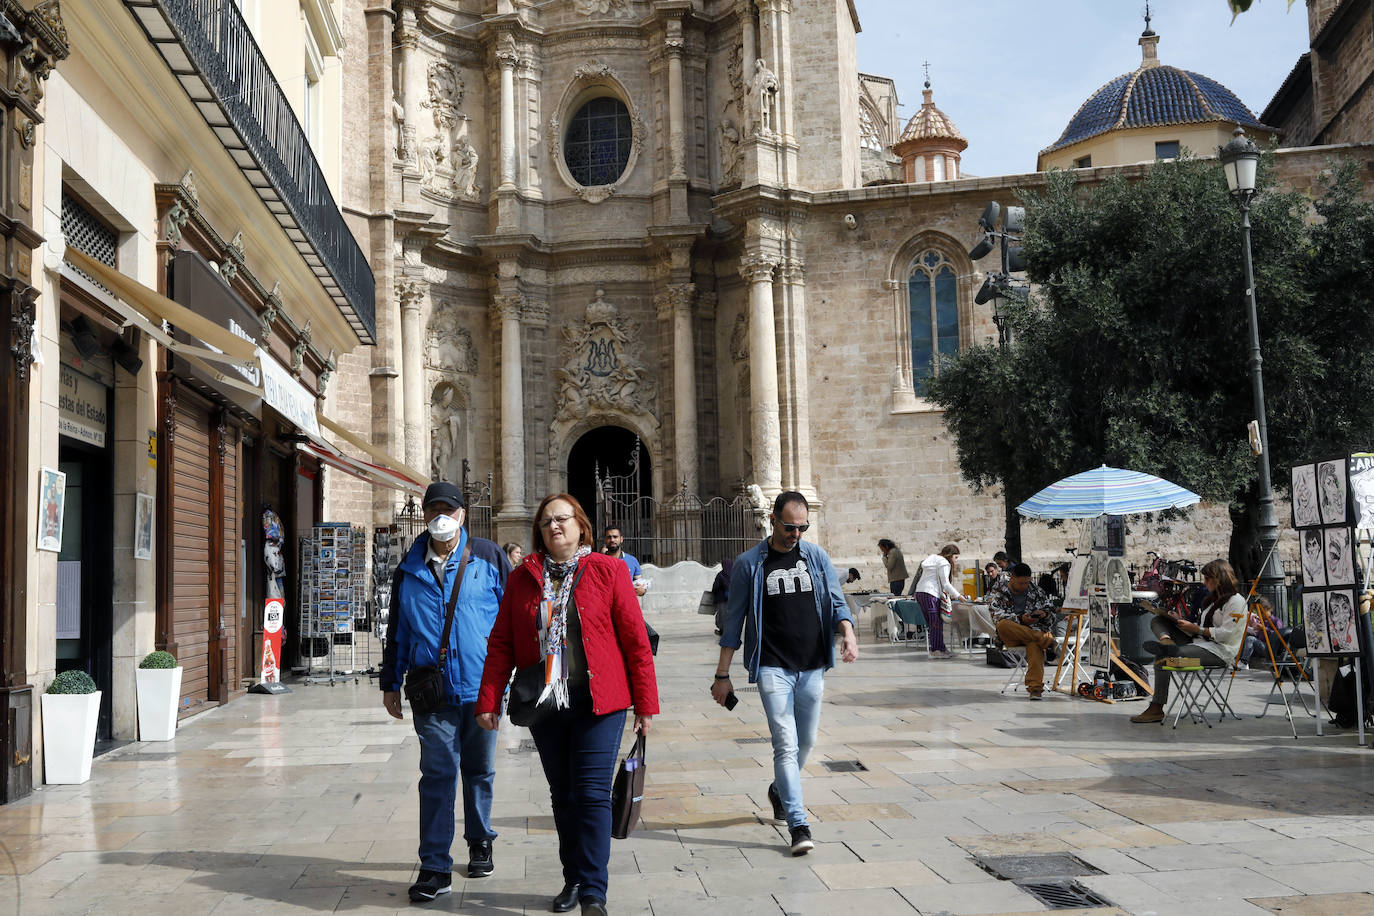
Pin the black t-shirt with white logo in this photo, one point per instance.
(791, 635)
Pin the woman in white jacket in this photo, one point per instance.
(1215, 640)
(933, 585)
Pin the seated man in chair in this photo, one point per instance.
(1025, 615)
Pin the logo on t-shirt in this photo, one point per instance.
(788, 581)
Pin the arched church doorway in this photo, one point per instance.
(625, 470)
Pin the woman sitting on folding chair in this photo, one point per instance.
(1214, 642)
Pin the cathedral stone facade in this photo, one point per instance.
(679, 220)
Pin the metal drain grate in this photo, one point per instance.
(753, 740)
(1062, 895)
(1035, 866)
(844, 766)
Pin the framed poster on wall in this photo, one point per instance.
(52, 497)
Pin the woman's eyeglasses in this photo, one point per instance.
(559, 520)
(793, 529)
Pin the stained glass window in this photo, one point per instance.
(933, 297)
(597, 145)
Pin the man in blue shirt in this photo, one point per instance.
(612, 545)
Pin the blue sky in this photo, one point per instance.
(1010, 73)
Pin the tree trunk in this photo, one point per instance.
(1013, 532)
(1245, 553)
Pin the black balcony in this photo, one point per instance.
(211, 51)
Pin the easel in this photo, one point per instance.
(1114, 660)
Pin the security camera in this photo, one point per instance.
(850, 222)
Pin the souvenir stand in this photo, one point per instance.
(389, 546)
(1100, 498)
(333, 584)
(1329, 523)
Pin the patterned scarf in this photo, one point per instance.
(553, 624)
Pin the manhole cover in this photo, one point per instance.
(753, 740)
(1031, 867)
(844, 766)
(1062, 895)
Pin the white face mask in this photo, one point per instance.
(443, 527)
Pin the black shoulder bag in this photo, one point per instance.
(424, 685)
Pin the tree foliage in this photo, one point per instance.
(1135, 350)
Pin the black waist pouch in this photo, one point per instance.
(424, 689)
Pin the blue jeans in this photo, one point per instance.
(792, 702)
(578, 750)
(452, 743)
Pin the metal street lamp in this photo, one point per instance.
(1240, 159)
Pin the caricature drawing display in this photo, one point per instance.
(1313, 557)
(1362, 490)
(1340, 615)
(1314, 622)
(1305, 512)
(1331, 492)
(1340, 568)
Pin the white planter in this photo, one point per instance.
(69, 736)
(159, 690)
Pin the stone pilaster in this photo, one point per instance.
(411, 293)
(676, 135)
(675, 305)
(506, 311)
(795, 402)
(765, 434)
(506, 59)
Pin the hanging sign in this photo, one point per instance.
(82, 407)
(287, 396)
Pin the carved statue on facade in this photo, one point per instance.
(465, 161)
(763, 99)
(729, 153)
(446, 446)
(598, 371)
(602, 7)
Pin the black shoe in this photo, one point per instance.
(1052, 654)
(779, 815)
(801, 840)
(430, 885)
(479, 859)
(567, 898)
(593, 908)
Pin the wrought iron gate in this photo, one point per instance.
(477, 494)
(681, 528)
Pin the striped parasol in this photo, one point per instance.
(1106, 491)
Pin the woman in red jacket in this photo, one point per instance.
(599, 665)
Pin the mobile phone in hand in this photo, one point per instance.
(731, 701)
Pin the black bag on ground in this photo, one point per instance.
(653, 638)
(1000, 658)
(1343, 702)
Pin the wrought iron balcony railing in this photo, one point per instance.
(214, 56)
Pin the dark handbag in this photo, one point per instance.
(628, 792)
(424, 685)
(522, 705)
(653, 638)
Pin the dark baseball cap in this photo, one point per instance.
(441, 491)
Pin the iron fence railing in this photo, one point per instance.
(226, 57)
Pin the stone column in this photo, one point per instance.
(413, 89)
(506, 309)
(676, 141)
(506, 57)
(785, 76)
(765, 433)
(796, 399)
(411, 292)
(675, 304)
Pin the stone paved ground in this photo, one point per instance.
(306, 803)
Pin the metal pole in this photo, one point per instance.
(1271, 574)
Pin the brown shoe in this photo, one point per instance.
(1151, 714)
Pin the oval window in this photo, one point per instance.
(597, 145)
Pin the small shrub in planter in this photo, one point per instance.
(158, 659)
(159, 686)
(72, 682)
(70, 707)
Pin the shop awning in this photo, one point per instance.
(146, 309)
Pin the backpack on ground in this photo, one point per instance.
(1000, 658)
(1342, 703)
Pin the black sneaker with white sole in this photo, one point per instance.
(480, 863)
(430, 885)
(801, 840)
(779, 815)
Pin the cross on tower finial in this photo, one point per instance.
(926, 66)
(1147, 18)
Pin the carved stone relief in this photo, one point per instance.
(599, 373)
(449, 348)
(448, 160)
(613, 8)
(448, 429)
(762, 101)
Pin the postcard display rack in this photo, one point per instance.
(333, 599)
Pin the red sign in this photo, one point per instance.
(274, 614)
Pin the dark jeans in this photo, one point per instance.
(453, 744)
(895, 586)
(935, 625)
(578, 750)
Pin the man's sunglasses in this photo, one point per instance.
(793, 529)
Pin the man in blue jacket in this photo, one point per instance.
(785, 596)
(451, 742)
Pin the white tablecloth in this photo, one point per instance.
(970, 618)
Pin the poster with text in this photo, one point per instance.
(1362, 490)
(52, 498)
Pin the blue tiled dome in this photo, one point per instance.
(1155, 97)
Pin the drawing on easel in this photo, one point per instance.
(1362, 490)
(1314, 622)
(1340, 565)
(1118, 581)
(1313, 558)
(1305, 512)
(1331, 486)
(1340, 616)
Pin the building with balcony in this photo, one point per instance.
(192, 288)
